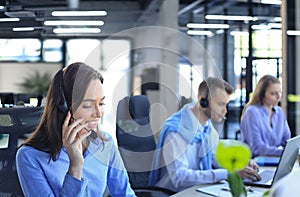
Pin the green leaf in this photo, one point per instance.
(266, 193)
(236, 185)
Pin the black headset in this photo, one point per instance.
(63, 106)
(204, 101)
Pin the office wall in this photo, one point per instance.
(13, 73)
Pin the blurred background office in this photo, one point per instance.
(160, 48)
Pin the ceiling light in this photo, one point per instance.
(231, 17)
(220, 31)
(73, 23)
(293, 33)
(275, 25)
(277, 19)
(274, 2)
(208, 26)
(260, 27)
(198, 33)
(79, 13)
(9, 19)
(239, 33)
(76, 30)
(23, 29)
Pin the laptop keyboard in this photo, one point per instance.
(266, 175)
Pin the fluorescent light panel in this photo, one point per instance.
(9, 19)
(23, 28)
(230, 17)
(73, 23)
(277, 19)
(274, 2)
(260, 27)
(293, 32)
(208, 26)
(239, 33)
(275, 25)
(76, 30)
(79, 13)
(198, 33)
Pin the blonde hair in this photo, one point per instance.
(260, 91)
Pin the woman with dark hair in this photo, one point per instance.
(263, 124)
(68, 154)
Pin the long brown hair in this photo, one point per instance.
(260, 91)
(67, 87)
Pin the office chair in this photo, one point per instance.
(15, 123)
(136, 144)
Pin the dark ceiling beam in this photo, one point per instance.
(154, 6)
(189, 7)
(214, 6)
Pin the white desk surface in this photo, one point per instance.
(191, 192)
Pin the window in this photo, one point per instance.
(20, 50)
(52, 50)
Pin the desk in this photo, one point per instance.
(191, 192)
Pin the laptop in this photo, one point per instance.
(285, 165)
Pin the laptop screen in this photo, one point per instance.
(285, 166)
(288, 158)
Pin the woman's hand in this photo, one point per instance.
(72, 137)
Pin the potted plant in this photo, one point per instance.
(36, 83)
(233, 155)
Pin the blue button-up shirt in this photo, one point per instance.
(102, 167)
(182, 155)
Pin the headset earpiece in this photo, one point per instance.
(63, 106)
(204, 101)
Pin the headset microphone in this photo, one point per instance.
(93, 134)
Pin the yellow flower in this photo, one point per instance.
(232, 155)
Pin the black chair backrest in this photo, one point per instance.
(135, 138)
(15, 123)
(133, 124)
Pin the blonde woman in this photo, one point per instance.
(263, 124)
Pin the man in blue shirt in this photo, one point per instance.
(184, 155)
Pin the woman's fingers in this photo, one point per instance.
(66, 124)
(75, 132)
(72, 131)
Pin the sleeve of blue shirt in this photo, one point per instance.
(181, 173)
(28, 169)
(117, 179)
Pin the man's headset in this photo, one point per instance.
(204, 101)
